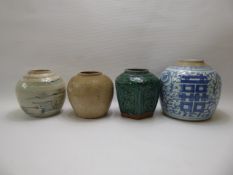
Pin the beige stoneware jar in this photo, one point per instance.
(90, 94)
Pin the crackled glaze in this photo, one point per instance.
(190, 90)
(137, 93)
(41, 93)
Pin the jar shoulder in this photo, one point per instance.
(100, 79)
(187, 69)
(136, 78)
(40, 85)
(204, 74)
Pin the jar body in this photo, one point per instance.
(137, 93)
(190, 92)
(90, 94)
(41, 93)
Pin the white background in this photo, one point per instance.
(69, 36)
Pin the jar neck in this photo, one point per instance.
(41, 74)
(90, 73)
(191, 62)
(136, 71)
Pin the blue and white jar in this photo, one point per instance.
(190, 90)
(41, 93)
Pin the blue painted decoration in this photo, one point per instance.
(190, 92)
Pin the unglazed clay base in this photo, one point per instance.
(138, 117)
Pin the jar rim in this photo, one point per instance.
(43, 74)
(39, 71)
(90, 73)
(136, 70)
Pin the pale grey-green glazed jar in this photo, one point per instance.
(41, 93)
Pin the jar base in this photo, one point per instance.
(186, 119)
(92, 117)
(44, 115)
(138, 117)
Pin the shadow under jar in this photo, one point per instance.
(41, 93)
(137, 93)
(90, 94)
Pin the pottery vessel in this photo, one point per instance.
(137, 93)
(41, 93)
(90, 94)
(190, 90)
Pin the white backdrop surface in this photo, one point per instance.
(69, 36)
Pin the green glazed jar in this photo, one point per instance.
(137, 93)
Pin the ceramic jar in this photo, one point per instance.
(41, 93)
(137, 93)
(190, 90)
(90, 94)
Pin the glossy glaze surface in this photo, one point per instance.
(137, 93)
(190, 90)
(41, 93)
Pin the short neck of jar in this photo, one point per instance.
(191, 62)
(41, 75)
(136, 71)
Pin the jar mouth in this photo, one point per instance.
(191, 62)
(136, 70)
(39, 71)
(90, 73)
